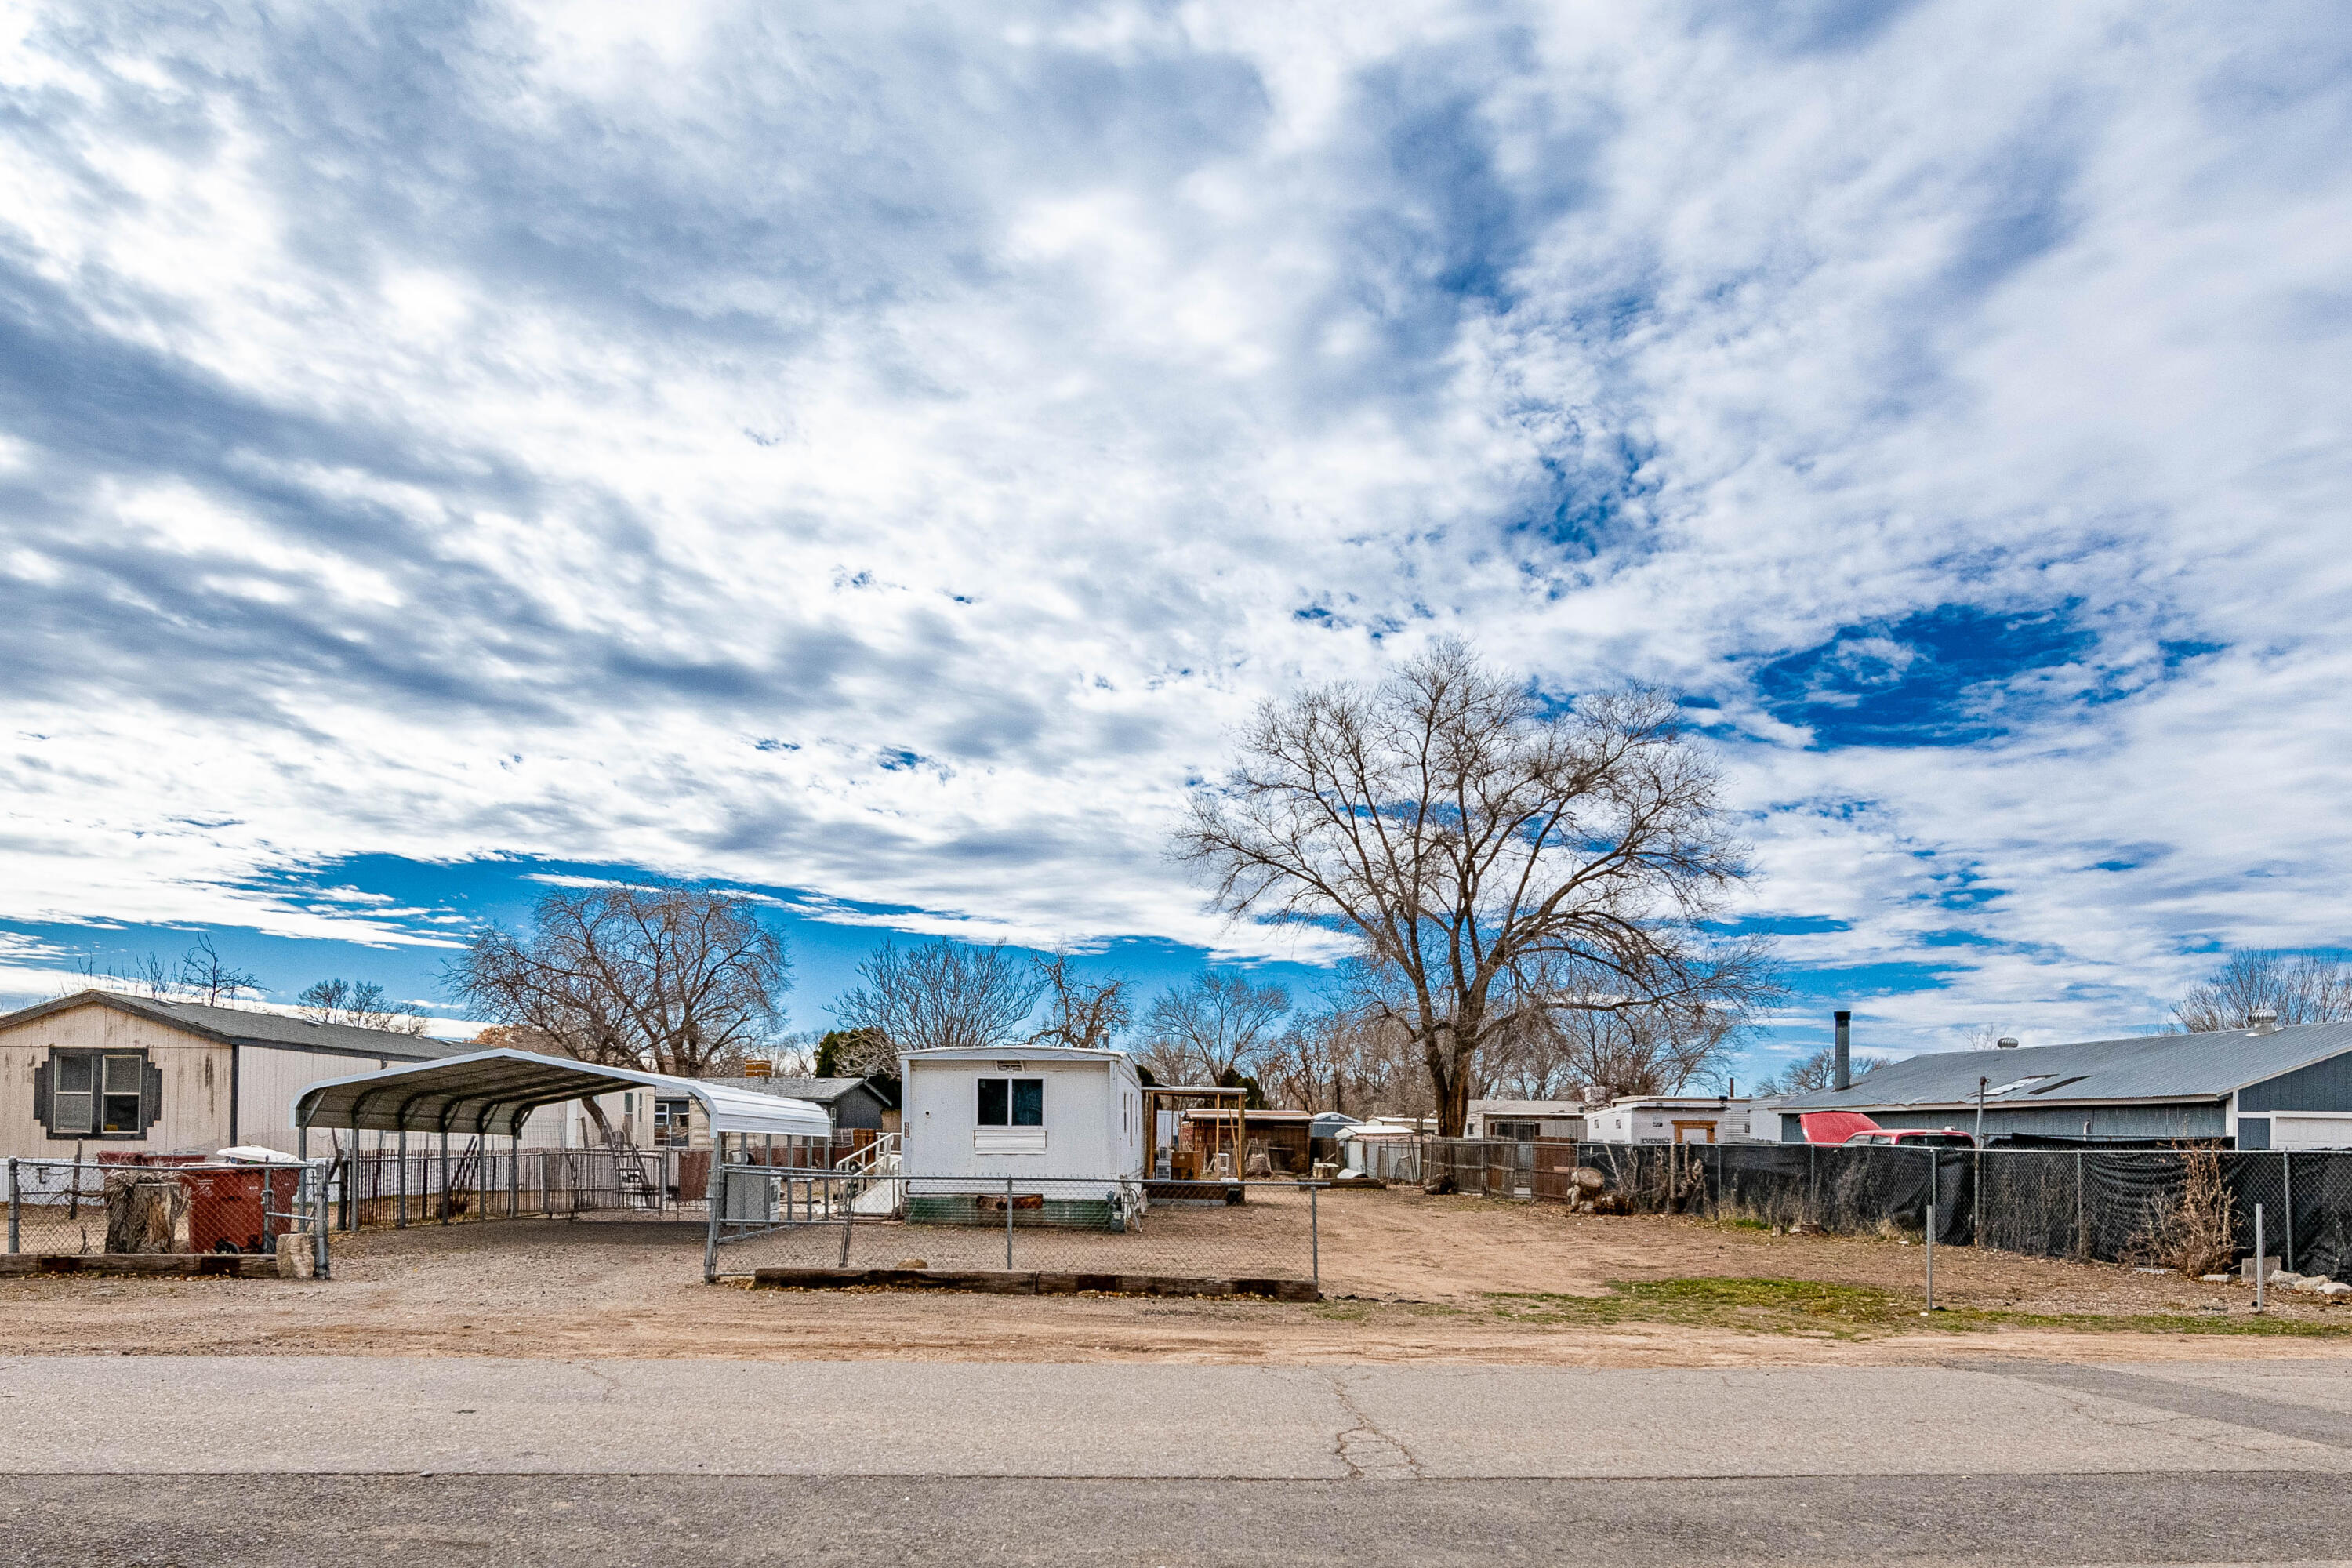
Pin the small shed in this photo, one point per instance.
(1286, 1138)
(2263, 1088)
(1062, 1125)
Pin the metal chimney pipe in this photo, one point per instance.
(1844, 1075)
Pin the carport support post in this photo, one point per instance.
(400, 1221)
(514, 1175)
(444, 1175)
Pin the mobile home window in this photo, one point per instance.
(1012, 1102)
(95, 1094)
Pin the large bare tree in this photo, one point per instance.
(1491, 853)
(658, 976)
(941, 994)
(2300, 987)
(1212, 1026)
(1080, 1011)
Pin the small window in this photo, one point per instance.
(74, 1101)
(97, 1094)
(118, 1104)
(1012, 1102)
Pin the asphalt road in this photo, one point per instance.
(329, 1460)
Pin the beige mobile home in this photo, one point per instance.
(100, 1070)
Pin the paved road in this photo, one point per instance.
(332, 1460)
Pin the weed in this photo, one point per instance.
(1812, 1308)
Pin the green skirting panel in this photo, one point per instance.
(1060, 1214)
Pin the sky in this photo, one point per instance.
(872, 456)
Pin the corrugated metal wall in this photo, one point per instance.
(2322, 1086)
(2183, 1120)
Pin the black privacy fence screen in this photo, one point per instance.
(2169, 1207)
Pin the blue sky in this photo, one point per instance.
(874, 458)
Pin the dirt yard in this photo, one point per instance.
(1407, 1277)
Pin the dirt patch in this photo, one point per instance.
(1412, 1277)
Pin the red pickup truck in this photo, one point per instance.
(1853, 1127)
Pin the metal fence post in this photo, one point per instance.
(2286, 1178)
(320, 1179)
(1008, 1224)
(1315, 1236)
(1931, 1256)
(840, 1185)
(2261, 1275)
(15, 1204)
(715, 1196)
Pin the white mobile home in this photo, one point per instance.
(1668, 1119)
(1065, 1126)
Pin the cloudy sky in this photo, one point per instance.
(873, 454)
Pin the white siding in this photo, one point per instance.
(1093, 1121)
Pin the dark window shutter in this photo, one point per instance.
(151, 1096)
(41, 1097)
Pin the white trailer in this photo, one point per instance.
(1053, 1128)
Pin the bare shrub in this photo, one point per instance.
(2194, 1230)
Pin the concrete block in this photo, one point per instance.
(2268, 1266)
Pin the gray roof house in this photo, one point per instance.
(852, 1102)
(2265, 1088)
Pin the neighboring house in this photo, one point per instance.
(1668, 1119)
(2265, 1088)
(100, 1070)
(1525, 1119)
(854, 1105)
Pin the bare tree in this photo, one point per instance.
(361, 1004)
(205, 977)
(1490, 853)
(2300, 987)
(1645, 1051)
(941, 994)
(1213, 1025)
(1816, 1072)
(1090, 1014)
(1344, 1058)
(658, 976)
(854, 1053)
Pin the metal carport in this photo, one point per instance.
(492, 1093)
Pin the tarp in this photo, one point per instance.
(493, 1091)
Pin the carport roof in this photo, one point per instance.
(493, 1091)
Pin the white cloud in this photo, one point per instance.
(484, 432)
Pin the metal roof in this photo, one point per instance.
(493, 1091)
(1013, 1053)
(242, 1026)
(817, 1090)
(2210, 1066)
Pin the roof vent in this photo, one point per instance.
(2006, 1043)
(2262, 1020)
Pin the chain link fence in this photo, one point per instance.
(163, 1206)
(1106, 1228)
(2103, 1204)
